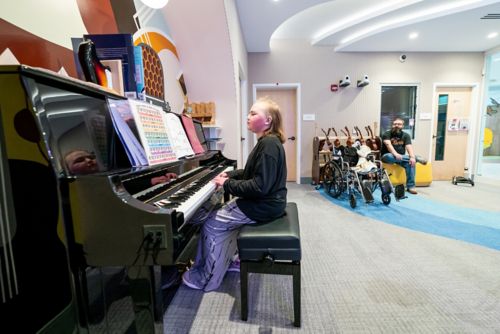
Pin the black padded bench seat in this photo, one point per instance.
(271, 248)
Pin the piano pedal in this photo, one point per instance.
(170, 277)
(184, 266)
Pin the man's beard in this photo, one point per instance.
(396, 130)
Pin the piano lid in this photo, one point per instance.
(74, 121)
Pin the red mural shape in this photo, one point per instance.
(32, 50)
(97, 16)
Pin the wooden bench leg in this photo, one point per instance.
(296, 295)
(244, 290)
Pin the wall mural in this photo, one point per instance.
(46, 41)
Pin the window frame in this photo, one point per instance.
(411, 130)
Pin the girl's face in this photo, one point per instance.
(81, 162)
(258, 121)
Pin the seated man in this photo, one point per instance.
(397, 149)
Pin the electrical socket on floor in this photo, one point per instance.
(157, 231)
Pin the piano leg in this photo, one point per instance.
(145, 289)
(147, 302)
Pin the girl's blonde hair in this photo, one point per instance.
(273, 110)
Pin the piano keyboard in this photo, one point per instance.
(188, 199)
(155, 190)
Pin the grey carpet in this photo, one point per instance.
(361, 276)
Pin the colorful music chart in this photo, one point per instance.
(153, 132)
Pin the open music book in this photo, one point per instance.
(150, 135)
(192, 133)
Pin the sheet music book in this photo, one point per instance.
(153, 132)
(149, 135)
(191, 134)
(177, 135)
(124, 123)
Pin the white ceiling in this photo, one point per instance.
(372, 25)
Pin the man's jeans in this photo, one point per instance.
(405, 163)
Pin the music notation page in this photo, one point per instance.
(177, 135)
(153, 132)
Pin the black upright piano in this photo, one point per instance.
(72, 243)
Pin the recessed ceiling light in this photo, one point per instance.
(492, 35)
(413, 35)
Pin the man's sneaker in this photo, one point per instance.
(412, 191)
(421, 160)
(185, 280)
(234, 266)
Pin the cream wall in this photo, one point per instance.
(316, 68)
(240, 69)
(213, 58)
(201, 33)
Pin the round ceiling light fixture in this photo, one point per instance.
(156, 4)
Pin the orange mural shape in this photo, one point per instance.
(157, 42)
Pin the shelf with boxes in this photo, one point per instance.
(213, 137)
(204, 112)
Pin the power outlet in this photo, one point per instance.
(159, 233)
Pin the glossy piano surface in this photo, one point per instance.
(110, 201)
(86, 207)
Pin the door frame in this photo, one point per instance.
(298, 135)
(473, 140)
(244, 133)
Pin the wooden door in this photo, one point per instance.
(451, 127)
(287, 100)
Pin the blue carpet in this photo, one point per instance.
(421, 214)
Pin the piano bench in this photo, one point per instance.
(271, 248)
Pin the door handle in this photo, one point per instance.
(242, 138)
(292, 138)
(434, 136)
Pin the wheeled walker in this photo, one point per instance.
(339, 177)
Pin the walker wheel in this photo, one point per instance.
(385, 186)
(386, 199)
(472, 183)
(328, 187)
(454, 180)
(352, 201)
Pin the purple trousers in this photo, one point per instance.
(217, 244)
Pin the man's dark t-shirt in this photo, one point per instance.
(398, 141)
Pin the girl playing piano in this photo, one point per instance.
(259, 192)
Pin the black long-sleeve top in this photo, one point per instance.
(261, 185)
